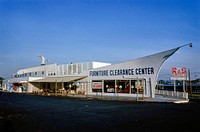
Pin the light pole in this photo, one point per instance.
(190, 45)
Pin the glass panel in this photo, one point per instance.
(123, 86)
(140, 85)
(109, 86)
(133, 87)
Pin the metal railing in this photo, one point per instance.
(176, 94)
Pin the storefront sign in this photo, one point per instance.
(96, 85)
(179, 73)
(118, 72)
(179, 78)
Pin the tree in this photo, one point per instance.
(1, 81)
(161, 82)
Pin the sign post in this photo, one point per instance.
(179, 74)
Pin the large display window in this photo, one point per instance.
(140, 84)
(119, 86)
(109, 86)
(133, 87)
(123, 86)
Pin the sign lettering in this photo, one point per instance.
(119, 72)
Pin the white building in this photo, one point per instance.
(132, 78)
(52, 76)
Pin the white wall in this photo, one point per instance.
(100, 64)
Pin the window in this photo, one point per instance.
(74, 69)
(133, 87)
(119, 86)
(97, 86)
(79, 68)
(70, 69)
(109, 86)
(123, 86)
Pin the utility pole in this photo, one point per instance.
(190, 82)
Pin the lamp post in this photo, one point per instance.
(190, 45)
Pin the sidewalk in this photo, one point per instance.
(167, 99)
(158, 98)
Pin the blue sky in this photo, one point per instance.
(111, 31)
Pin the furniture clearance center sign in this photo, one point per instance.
(119, 72)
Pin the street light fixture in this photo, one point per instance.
(190, 45)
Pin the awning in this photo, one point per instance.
(59, 79)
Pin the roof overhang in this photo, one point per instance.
(59, 79)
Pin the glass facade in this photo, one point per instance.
(119, 86)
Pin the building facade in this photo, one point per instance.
(132, 78)
(51, 76)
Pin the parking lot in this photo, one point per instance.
(23, 112)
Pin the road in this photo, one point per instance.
(23, 112)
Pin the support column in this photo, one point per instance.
(62, 88)
(184, 86)
(151, 90)
(55, 87)
(129, 86)
(115, 86)
(174, 86)
(102, 86)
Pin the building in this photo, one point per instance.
(52, 77)
(132, 78)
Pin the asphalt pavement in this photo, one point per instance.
(24, 112)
